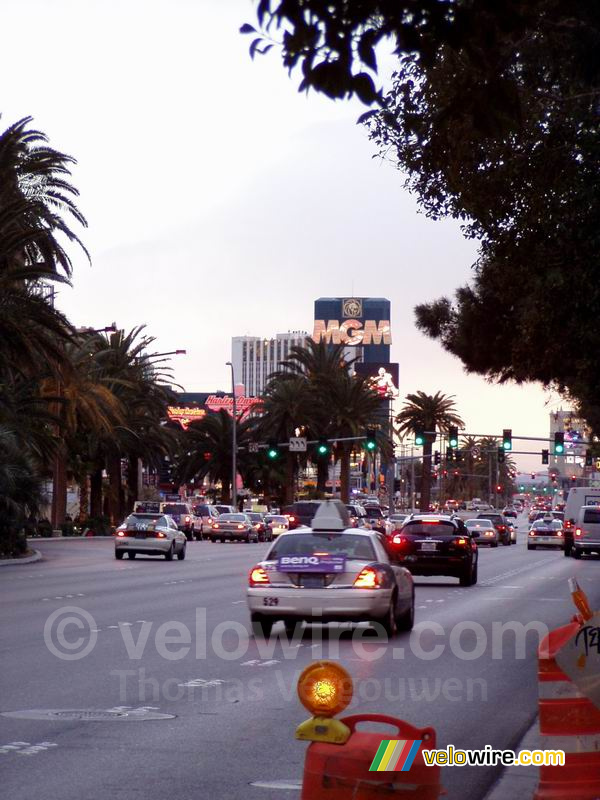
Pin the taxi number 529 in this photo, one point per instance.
(270, 601)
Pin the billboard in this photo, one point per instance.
(382, 376)
(359, 322)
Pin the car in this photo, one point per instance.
(558, 515)
(277, 523)
(375, 518)
(221, 509)
(330, 572)
(434, 544)
(301, 512)
(500, 523)
(182, 514)
(512, 527)
(260, 526)
(150, 535)
(487, 532)
(394, 522)
(205, 514)
(235, 527)
(510, 512)
(357, 515)
(586, 535)
(546, 532)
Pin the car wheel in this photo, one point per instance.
(198, 536)
(474, 573)
(292, 626)
(576, 553)
(119, 554)
(506, 542)
(261, 626)
(181, 553)
(131, 554)
(494, 544)
(405, 621)
(532, 546)
(388, 621)
(169, 553)
(466, 576)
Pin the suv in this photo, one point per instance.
(432, 544)
(375, 518)
(499, 522)
(205, 516)
(301, 513)
(183, 515)
(586, 536)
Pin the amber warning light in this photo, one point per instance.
(325, 689)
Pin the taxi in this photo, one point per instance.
(330, 572)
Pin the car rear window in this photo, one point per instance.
(202, 511)
(137, 519)
(175, 508)
(592, 516)
(306, 544)
(554, 524)
(255, 516)
(375, 513)
(430, 529)
(233, 517)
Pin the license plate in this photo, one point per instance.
(312, 581)
(428, 546)
(270, 601)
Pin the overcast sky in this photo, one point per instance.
(221, 202)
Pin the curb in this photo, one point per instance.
(6, 562)
(519, 781)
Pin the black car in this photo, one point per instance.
(300, 513)
(430, 544)
(499, 522)
(260, 526)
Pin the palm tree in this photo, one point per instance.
(20, 492)
(315, 361)
(428, 413)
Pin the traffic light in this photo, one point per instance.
(272, 450)
(453, 436)
(449, 455)
(458, 456)
(559, 443)
(589, 459)
(573, 478)
(323, 447)
(545, 455)
(507, 439)
(371, 441)
(501, 455)
(419, 437)
(437, 457)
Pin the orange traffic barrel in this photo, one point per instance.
(340, 772)
(568, 722)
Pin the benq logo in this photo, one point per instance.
(298, 560)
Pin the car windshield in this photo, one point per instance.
(433, 528)
(278, 519)
(233, 518)
(174, 508)
(478, 523)
(398, 517)
(591, 516)
(140, 519)
(547, 523)
(202, 511)
(304, 544)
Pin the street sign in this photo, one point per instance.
(475, 452)
(253, 447)
(298, 444)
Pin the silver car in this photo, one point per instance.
(235, 527)
(486, 530)
(329, 574)
(150, 535)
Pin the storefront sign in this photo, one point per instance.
(184, 416)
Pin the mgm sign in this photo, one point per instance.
(353, 332)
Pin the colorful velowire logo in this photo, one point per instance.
(395, 755)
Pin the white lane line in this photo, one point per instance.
(237, 602)
(509, 587)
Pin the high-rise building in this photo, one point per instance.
(255, 359)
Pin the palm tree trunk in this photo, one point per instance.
(96, 494)
(84, 497)
(290, 463)
(59, 487)
(345, 473)
(426, 478)
(132, 482)
(114, 490)
(322, 475)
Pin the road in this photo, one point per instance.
(221, 737)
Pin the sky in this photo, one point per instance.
(221, 202)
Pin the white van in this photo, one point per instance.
(578, 497)
(586, 536)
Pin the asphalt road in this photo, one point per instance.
(227, 735)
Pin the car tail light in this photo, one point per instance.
(368, 578)
(215, 525)
(501, 527)
(187, 519)
(258, 577)
(568, 523)
(559, 533)
(398, 539)
(532, 533)
(460, 542)
(120, 533)
(257, 526)
(161, 535)
(577, 531)
(241, 526)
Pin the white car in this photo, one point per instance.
(547, 532)
(484, 527)
(277, 524)
(150, 535)
(329, 573)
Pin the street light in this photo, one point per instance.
(234, 441)
(170, 353)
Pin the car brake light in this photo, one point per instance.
(532, 533)
(291, 518)
(559, 533)
(461, 541)
(397, 539)
(120, 533)
(568, 523)
(368, 578)
(161, 535)
(577, 531)
(240, 526)
(187, 519)
(258, 577)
